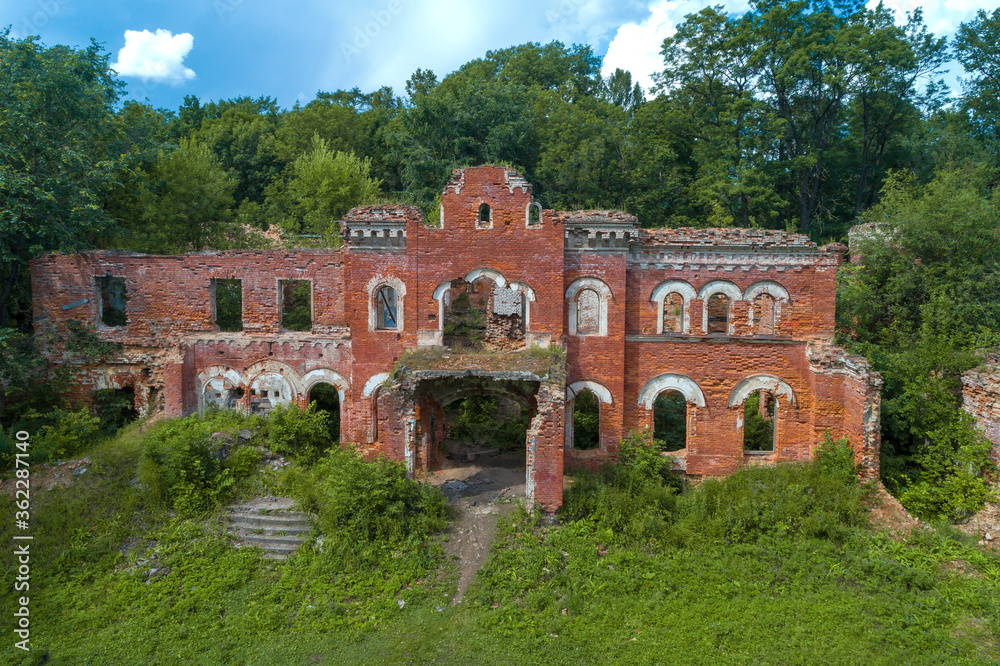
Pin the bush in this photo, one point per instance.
(367, 502)
(633, 499)
(476, 418)
(55, 434)
(302, 434)
(181, 463)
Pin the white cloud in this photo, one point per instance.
(636, 46)
(155, 56)
(942, 18)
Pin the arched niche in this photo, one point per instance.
(768, 383)
(671, 382)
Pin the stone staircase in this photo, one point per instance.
(270, 523)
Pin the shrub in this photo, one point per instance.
(304, 434)
(371, 502)
(182, 463)
(633, 499)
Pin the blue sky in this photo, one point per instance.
(217, 49)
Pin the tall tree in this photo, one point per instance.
(977, 47)
(59, 156)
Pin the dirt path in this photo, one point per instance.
(481, 492)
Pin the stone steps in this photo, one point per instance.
(271, 524)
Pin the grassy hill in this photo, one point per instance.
(132, 565)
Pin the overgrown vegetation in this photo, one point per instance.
(119, 579)
(478, 420)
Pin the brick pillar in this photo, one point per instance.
(739, 318)
(545, 442)
(173, 389)
(696, 316)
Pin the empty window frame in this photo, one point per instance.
(386, 310)
(484, 220)
(588, 312)
(673, 313)
(534, 217)
(296, 304)
(113, 296)
(763, 315)
(670, 420)
(760, 411)
(718, 313)
(227, 304)
(586, 421)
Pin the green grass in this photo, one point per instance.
(772, 566)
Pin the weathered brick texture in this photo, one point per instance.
(623, 348)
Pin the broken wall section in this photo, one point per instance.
(981, 399)
(848, 402)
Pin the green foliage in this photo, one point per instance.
(303, 434)
(586, 421)
(633, 500)
(670, 421)
(323, 185)
(925, 297)
(60, 155)
(364, 504)
(296, 305)
(955, 472)
(181, 462)
(187, 205)
(25, 383)
(477, 419)
(114, 408)
(228, 304)
(55, 434)
(758, 429)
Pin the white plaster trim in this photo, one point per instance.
(321, 375)
(660, 294)
(438, 296)
(604, 293)
(373, 384)
(671, 382)
(586, 385)
(773, 289)
(771, 384)
(270, 366)
(390, 281)
(477, 273)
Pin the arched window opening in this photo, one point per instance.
(588, 312)
(386, 309)
(534, 214)
(760, 411)
(586, 421)
(670, 420)
(763, 315)
(718, 313)
(327, 399)
(673, 313)
(484, 215)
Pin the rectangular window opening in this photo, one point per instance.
(113, 298)
(296, 305)
(228, 304)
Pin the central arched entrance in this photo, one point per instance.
(326, 397)
(473, 430)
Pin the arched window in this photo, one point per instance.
(534, 215)
(484, 220)
(588, 312)
(326, 397)
(763, 315)
(670, 420)
(718, 313)
(386, 310)
(673, 313)
(586, 420)
(760, 412)
(588, 299)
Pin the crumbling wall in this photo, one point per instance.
(981, 399)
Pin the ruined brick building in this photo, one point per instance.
(712, 315)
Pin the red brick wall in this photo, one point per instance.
(171, 340)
